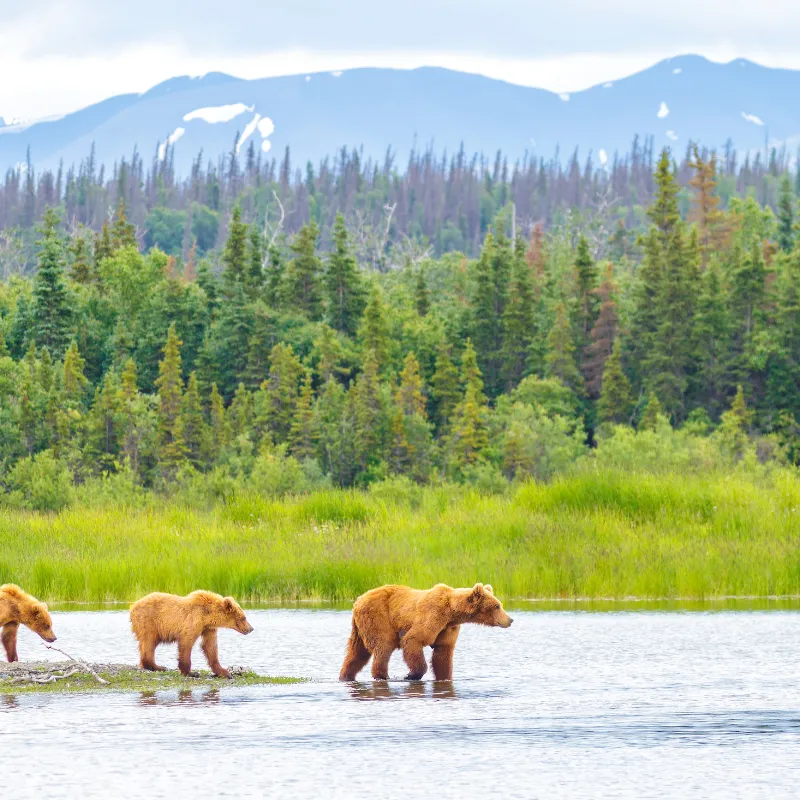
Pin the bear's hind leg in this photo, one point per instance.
(414, 656)
(209, 646)
(9, 638)
(355, 658)
(380, 661)
(147, 654)
(185, 645)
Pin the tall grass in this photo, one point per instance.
(588, 535)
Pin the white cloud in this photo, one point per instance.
(677, 71)
(564, 96)
(663, 110)
(672, 136)
(266, 127)
(753, 118)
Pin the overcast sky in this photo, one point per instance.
(59, 55)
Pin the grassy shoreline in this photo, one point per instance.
(21, 677)
(595, 537)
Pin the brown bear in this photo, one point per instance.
(393, 617)
(19, 608)
(162, 617)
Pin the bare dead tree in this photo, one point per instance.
(271, 232)
(12, 253)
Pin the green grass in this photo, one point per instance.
(613, 535)
(136, 680)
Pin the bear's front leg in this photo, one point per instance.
(443, 649)
(415, 658)
(209, 646)
(185, 645)
(9, 638)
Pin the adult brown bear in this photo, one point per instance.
(394, 617)
(19, 608)
(162, 617)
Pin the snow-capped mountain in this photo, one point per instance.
(676, 101)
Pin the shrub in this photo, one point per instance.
(39, 483)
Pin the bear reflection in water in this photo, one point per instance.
(383, 690)
(184, 697)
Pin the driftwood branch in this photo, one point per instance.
(82, 664)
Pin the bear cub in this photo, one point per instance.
(159, 618)
(19, 608)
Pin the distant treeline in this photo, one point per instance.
(434, 204)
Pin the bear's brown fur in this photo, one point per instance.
(394, 617)
(160, 618)
(19, 608)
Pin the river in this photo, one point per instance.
(563, 704)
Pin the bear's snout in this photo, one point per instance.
(246, 628)
(51, 638)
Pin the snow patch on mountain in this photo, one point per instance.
(663, 110)
(603, 157)
(564, 96)
(215, 114)
(672, 136)
(677, 71)
(170, 140)
(247, 132)
(753, 118)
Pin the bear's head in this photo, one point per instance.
(484, 608)
(234, 616)
(37, 618)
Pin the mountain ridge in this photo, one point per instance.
(677, 100)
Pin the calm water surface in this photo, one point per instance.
(564, 704)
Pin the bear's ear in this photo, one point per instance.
(487, 587)
(229, 605)
(476, 593)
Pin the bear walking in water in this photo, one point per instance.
(19, 608)
(160, 618)
(394, 617)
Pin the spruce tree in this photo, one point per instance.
(650, 417)
(369, 414)
(74, 382)
(469, 437)
(123, 233)
(302, 277)
(302, 435)
(560, 359)
(374, 330)
(602, 336)
(444, 388)
(254, 277)
(193, 424)
(345, 296)
(615, 401)
(240, 412)
(410, 396)
(102, 437)
(422, 297)
(52, 305)
(234, 255)
(519, 323)
(282, 389)
(220, 431)
(586, 282)
(171, 447)
(786, 217)
(273, 279)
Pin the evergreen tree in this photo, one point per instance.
(220, 431)
(193, 424)
(234, 255)
(586, 281)
(302, 436)
(254, 278)
(74, 382)
(652, 412)
(123, 233)
(171, 447)
(240, 413)
(603, 335)
(132, 428)
(705, 207)
(52, 306)
(786, 217)
(444, 388)
(374, 330)
(469, 437)
(615, 401)
(369, 412)
(560, 358)
(410, 397)
(282, 387)
(518, 322)
(273, 280)
(102, 437)
(344, 286)
(302, 276)
(422, 298)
